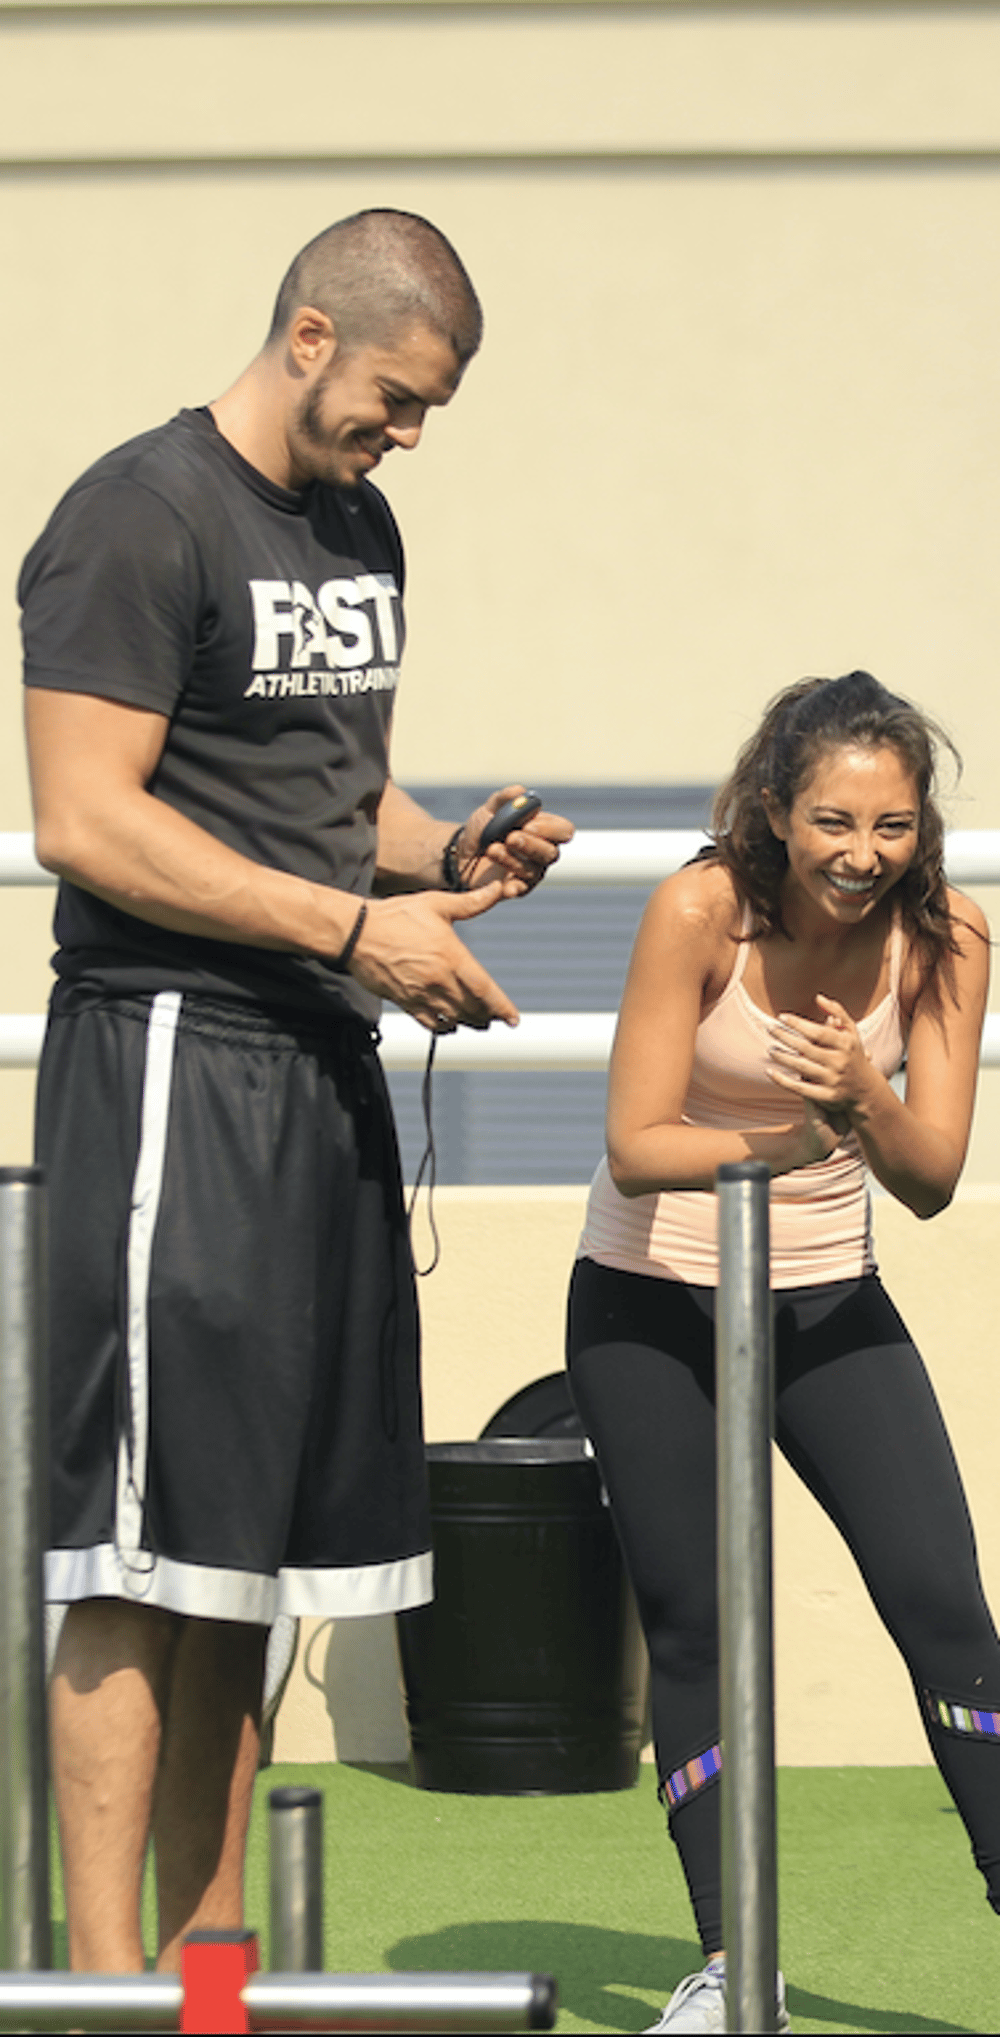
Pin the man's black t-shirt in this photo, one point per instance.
(268, 626)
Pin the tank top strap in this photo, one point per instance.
(896, 954)
(742, 951)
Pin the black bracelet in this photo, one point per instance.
(450, 871)
(352, 940)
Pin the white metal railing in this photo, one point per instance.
(544, 1039)
(644, 855)
(18, 862)
(607, 856)
(547, 1039)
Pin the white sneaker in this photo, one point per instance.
(699, 2003)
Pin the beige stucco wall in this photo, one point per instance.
(493, 1321)
(736, 416)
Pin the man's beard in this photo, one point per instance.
(309, 422)
(309, 417)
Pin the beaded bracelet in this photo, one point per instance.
(450, 871)
(352, 939)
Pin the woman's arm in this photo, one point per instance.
(915, 1148)
(683, 957)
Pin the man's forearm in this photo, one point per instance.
(411, 844)
(147, 859)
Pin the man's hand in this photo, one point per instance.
(408, 951)
(522, 860)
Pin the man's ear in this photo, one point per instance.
(776, 814)
(311, 340)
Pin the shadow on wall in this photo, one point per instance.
(362, 1689)
(353, 1665)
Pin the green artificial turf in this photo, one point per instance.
(884, 1925)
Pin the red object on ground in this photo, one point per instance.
(215, 1965)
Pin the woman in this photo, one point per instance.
(776, 986)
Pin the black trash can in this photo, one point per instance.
(527, 1675)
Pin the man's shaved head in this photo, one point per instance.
(376, 272)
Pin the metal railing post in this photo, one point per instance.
(25, 1936)
(745, 1399)
(295, 1817)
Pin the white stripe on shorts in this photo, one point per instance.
(207, 1593)
(358, 1593)
(199, 1589)
(133, 1448)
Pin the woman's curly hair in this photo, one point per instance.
(799, 725)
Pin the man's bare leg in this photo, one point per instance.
(204, 1785)
(107, 1703)
(155, 1721)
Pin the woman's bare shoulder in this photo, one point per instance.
(697, 907)
(971, 931)
(967, 915)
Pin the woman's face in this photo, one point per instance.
(851, 832)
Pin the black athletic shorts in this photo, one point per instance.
(234, 1378)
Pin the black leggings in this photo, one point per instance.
(857, 1419)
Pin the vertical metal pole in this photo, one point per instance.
(296, 1848)
(745, 1396)
(25, 1936)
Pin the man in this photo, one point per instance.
(213, 627)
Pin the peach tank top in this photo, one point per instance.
(820, 1215)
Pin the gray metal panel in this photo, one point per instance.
(561, 950)
(587, 806)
